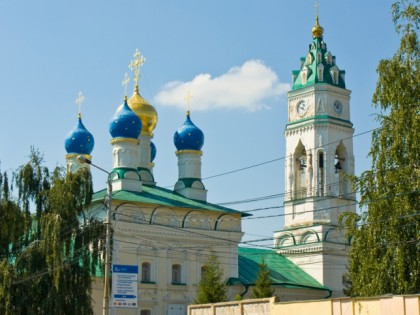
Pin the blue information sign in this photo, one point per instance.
(124, 286)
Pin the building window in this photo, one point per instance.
(301, 172)
(328, 58)
(320, 72)
(145, 272)
(321, 174)
(145, 312)
(203, 271)
(176, 274)
(304, 76)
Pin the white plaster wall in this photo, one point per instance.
(125, 154)
(189, 165)
(161, 246)
(144, 151)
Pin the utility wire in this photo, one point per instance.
(279, 158)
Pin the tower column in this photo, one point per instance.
(125, 153)
(189, 163)
(318, 136)
(144, 151)
(125, 127)
(73, 165)
(189, 140)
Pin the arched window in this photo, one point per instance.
(203, 271)
(304, 76)
(308, 60)
(145, 272)
(320, 72)
(176, 273)
(285, 240)
(321, 174)
(309, 237)
(328, 58)
(300, 172)
(340, 167)
(334, 74)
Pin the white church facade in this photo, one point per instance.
(169, 234)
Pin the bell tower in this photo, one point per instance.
(319, 162)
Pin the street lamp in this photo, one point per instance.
(105, 303)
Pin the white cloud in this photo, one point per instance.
(245, 87)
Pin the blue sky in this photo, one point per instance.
(235, 56)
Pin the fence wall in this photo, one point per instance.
(383, 305)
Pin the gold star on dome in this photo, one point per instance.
(135, 65)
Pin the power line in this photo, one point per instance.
(278, 159)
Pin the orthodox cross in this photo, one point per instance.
(125, 83)
(188, 99)
(79, 101)
(316, 7)
(135, 65)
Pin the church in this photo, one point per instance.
(165, 236)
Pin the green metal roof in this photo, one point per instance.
(283, 272)
(158, 196)
(317, 47)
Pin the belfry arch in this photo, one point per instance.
(341, 168)
(300, 158)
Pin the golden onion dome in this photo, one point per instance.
(317, 30)
(146, 112)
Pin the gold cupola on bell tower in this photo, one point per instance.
(317, 30)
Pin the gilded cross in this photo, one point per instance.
(316, 7)
(135, 65)
(188, 99)
(125, 82)
(79, 101)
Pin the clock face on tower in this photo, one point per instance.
(338, 107)
(301, 108)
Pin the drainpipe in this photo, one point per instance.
(329, 294)
(246, 290)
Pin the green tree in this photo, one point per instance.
(385, 256)
(211, 288)
(263, 283)
(48, 254)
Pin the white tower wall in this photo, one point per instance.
(319, 159)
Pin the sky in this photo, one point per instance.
(235, 57)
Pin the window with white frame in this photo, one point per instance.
(145, 272)
(203, 271)
(320, 72)
(176, 273)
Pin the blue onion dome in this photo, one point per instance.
(152, 151)
(125, 123)
(79, 140)
(188, 136)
